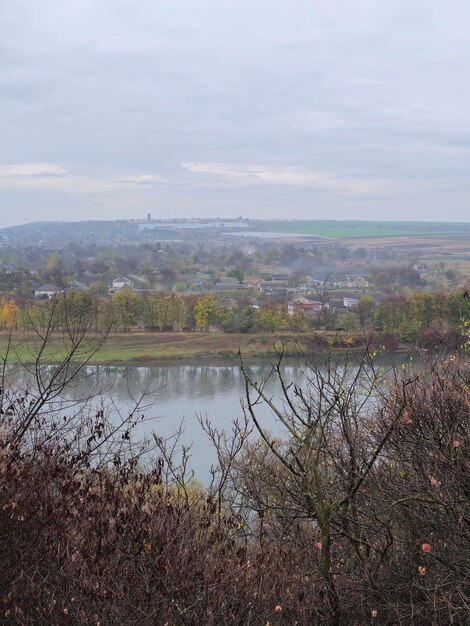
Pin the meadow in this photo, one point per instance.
(147, 347)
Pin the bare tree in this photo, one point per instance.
(330, 469)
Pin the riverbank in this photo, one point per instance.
(148, 348)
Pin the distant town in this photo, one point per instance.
(243, 275)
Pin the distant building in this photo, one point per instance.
(307, 306)
(76, 285)
(46, 291)
(120, 283)
(360, 282)
(350, 303)
(347, 282)
(273, 286)
(311, 284)
(227, 283)
(281, 276)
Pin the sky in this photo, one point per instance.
(309, 109)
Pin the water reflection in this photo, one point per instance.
(172, 393)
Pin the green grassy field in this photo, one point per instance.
(155, 347)
(349, 229)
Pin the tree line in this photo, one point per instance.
(160, 311)
(428, 318)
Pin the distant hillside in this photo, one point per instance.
(66, 232)
(101, 231)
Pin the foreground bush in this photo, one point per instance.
(359, 515)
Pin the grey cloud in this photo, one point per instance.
(292, 177)
(22, 170)
(116, 90)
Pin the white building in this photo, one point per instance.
(350, 303)
(121, 282)
(46, 291)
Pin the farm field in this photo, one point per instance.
(362, 229)
(437, 246)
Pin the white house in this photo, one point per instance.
(360, 282)
(121, 282)
(350, 303)
(346, 282)
(307, 306)
(46, 291)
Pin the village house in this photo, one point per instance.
(120, 283)
(360, 282)
(347, 282)
(227, 283)
(46, 291)
(76, 285)
(314, 283)
(280, 276)
(350, 303)
(309, 307)
(340, 282)
(273, 286)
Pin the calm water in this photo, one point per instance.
(175, 393)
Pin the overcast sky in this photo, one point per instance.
(261, 108)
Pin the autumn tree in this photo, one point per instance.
(365, 309)
(125, 307)
(204, 311)
(9, 314)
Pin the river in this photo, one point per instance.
(177, 393)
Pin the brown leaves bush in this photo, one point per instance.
(90, 542)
